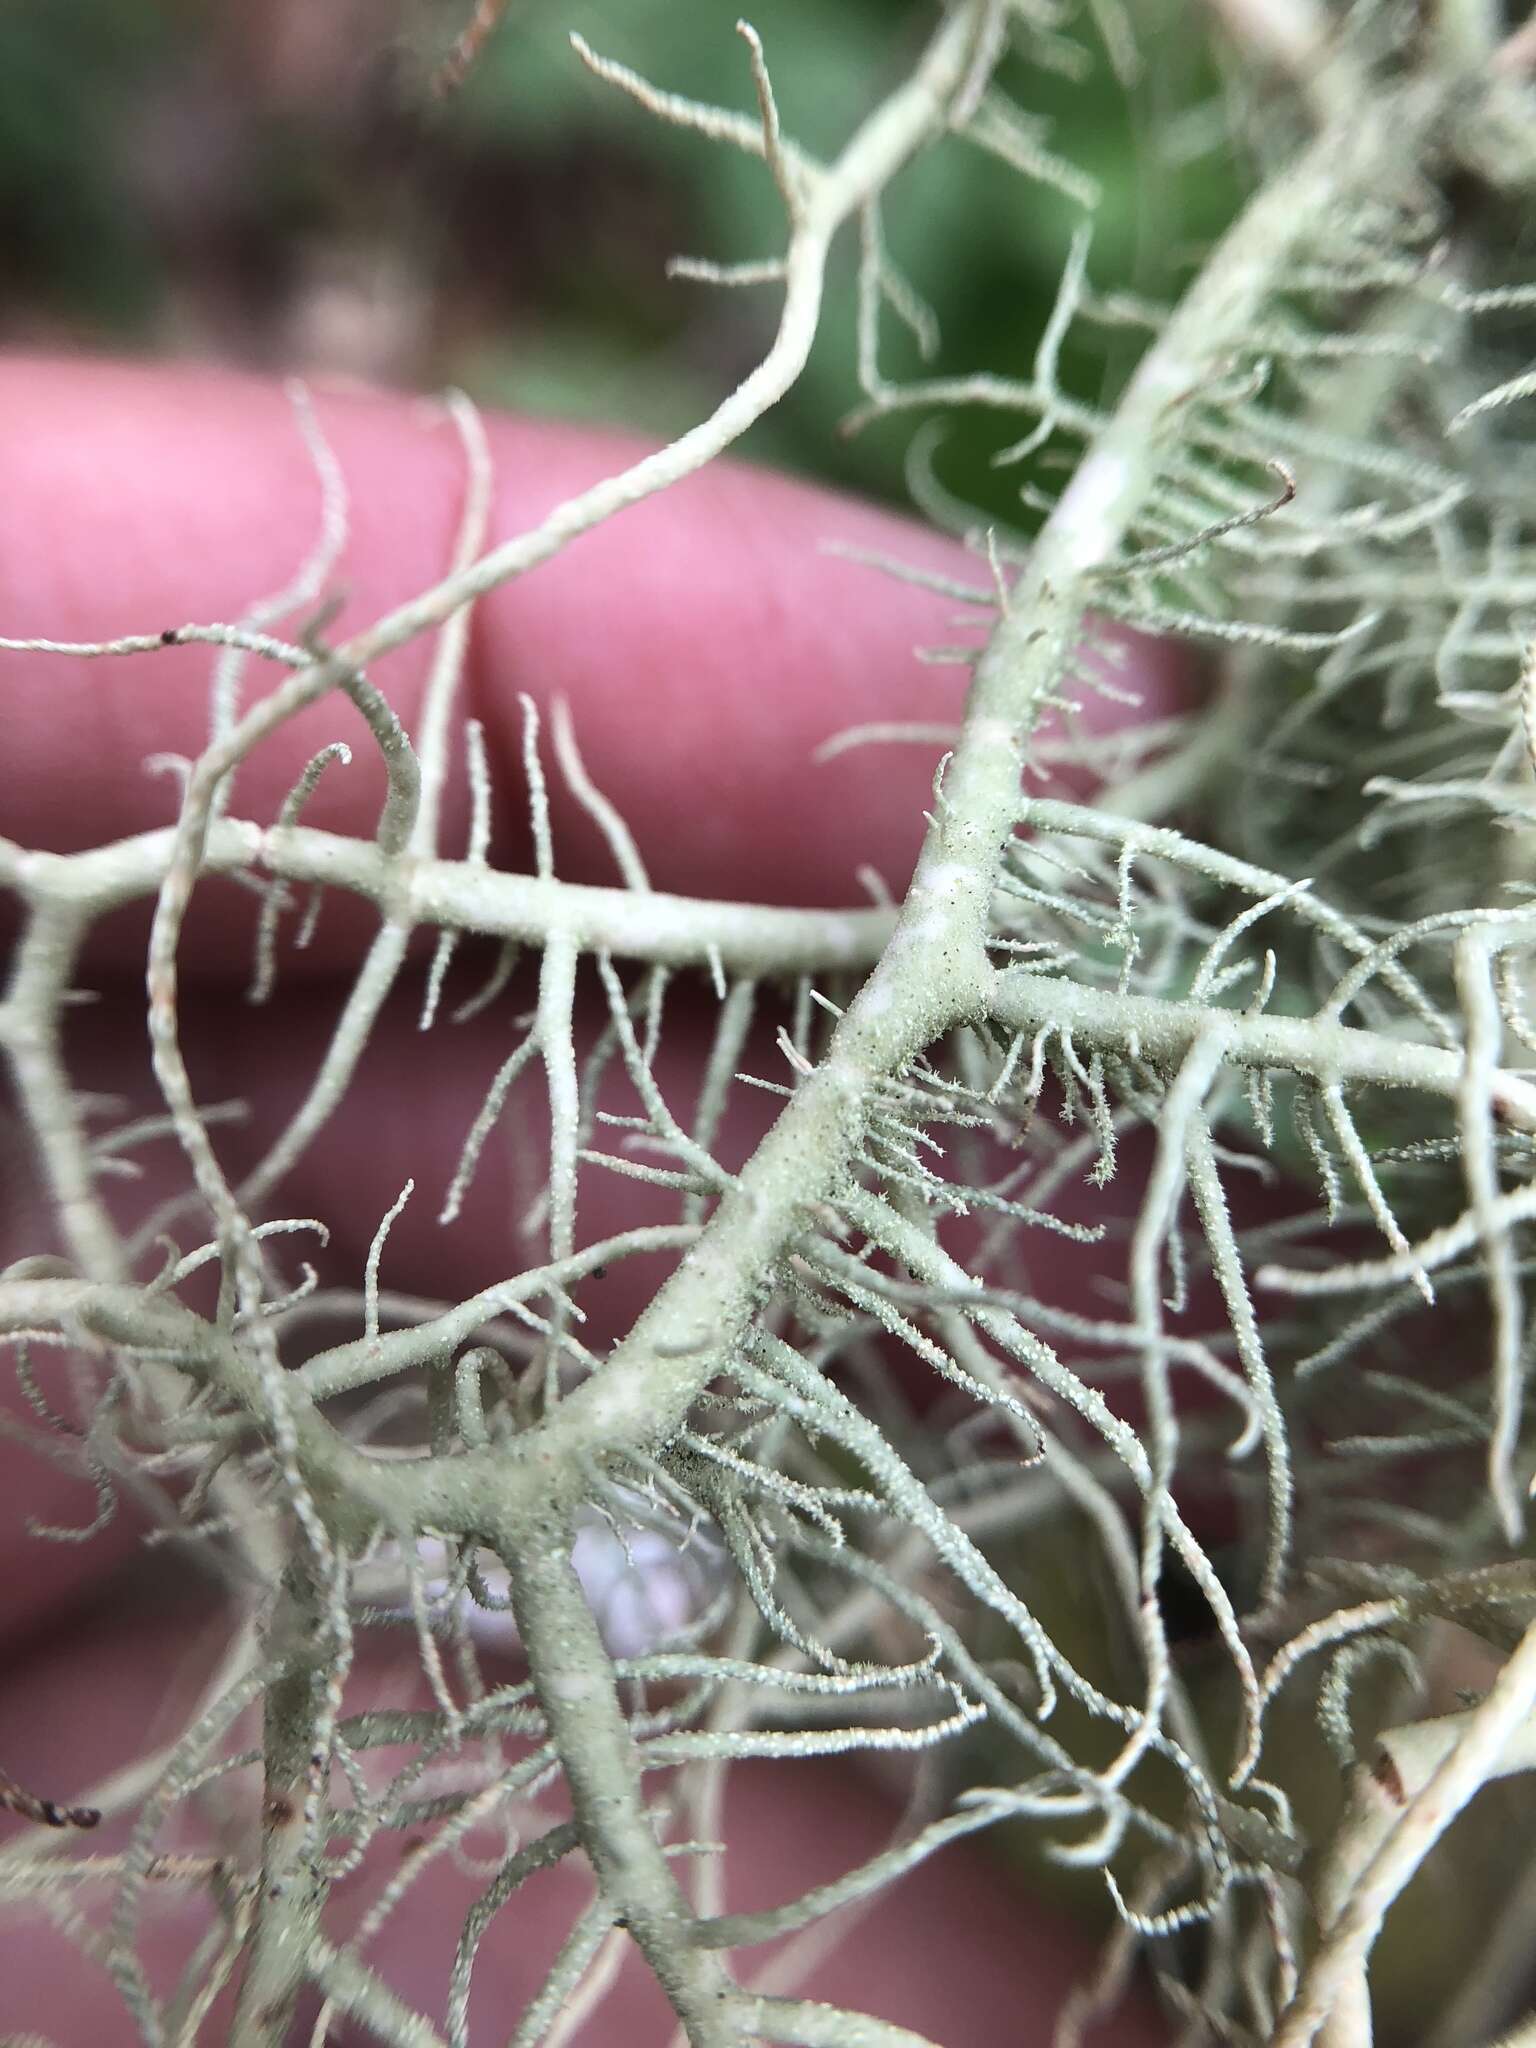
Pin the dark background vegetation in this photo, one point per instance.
(275, 183)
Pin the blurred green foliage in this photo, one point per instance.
(69, 245)
(533, 210)
(982, 246)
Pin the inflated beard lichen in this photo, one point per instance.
(1012, 1125)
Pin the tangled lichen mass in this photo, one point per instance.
(1287, 942)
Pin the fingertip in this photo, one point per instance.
(708, 641)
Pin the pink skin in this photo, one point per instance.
(706, 647)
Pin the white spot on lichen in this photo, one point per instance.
(645, 1583)
(1090, 511)
(942, 879)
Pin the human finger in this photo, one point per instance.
(706, 640)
